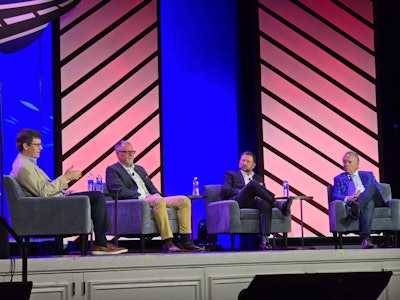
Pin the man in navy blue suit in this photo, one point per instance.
(361, 191)
(248, 189)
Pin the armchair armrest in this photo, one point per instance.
(130, 209)
(337, 213)
(52, 215)
(223, 216)
(394, 205)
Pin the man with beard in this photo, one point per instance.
(247, 188)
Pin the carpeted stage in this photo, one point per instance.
(209, 275)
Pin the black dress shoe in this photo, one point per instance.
(265, 246)
(367, 244)
(354, 210)
(286, 206)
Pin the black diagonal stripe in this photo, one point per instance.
(102, 34)
(308, 227)
(295, 164)
(111, 89)
(324, 48)
(100, 66)
(323, 101)
(337, 29)
(353, 13)
(84, 16)
(85, 140)
(97, 7)
(301, 141)
(318, 71)
(317, 125)
(293, 189)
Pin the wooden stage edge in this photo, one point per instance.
(199, 276)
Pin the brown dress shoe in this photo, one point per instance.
(109, 249)
(367, 244)
(190, 247)
(169, 247)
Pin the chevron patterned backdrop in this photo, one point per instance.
(318, 97)
(109, 83)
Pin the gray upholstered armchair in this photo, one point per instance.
(386, 219)
(47, 216)
(224, 216)
(135, 217)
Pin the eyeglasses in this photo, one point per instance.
(127, 151)
(37, 145)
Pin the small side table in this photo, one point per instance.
(301, 198)
(194, 197)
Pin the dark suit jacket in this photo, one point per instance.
(234, 182)
(341, 182)
(118, 180)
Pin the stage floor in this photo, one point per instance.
(206, 275)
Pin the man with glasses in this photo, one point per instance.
(35, 183)
(131, 181)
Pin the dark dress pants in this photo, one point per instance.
(100, 217)
(368, 200)
(255, 195)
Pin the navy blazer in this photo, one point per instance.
(341, 183)
(119, 181)
(234, 182)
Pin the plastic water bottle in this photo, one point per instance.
(90, 182)
(195, 186)
(99, 183)
(285, 186)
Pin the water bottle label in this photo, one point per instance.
(90, 185)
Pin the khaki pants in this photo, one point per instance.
(183, 206)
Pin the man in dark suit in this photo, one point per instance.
(247, 188)
(361, 192)
(132, 182)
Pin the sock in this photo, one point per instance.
(184, 237)
(167, 241)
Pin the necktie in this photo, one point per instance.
(352, 187)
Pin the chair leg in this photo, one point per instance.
(335, 239)
(232, 241)
(395, 239)
(214, 241)
(340, 240)
(142, 243)
(84, 244)
(274, 240)
(26, 242)
(285, 241)
(59, 245)
(388, 239)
